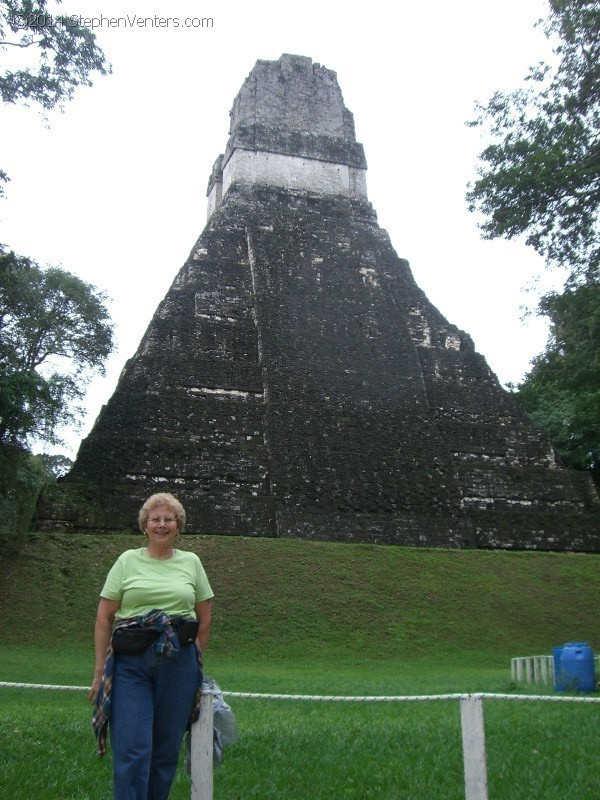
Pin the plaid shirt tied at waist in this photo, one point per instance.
(167, 644)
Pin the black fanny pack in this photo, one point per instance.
(133, 640)
(187, 630)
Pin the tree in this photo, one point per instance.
(46, 317)
(54, 333)
(67, 55)
(562, 391)
(53, 466)
(22, 477)
(540, 176)
(54, 328)
(67, 52)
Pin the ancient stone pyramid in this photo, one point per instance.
(295, 381)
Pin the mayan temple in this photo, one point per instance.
(295, 381)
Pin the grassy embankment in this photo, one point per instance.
(302, 617)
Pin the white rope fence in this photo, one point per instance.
(334, 698)
(471, 715)
(50, 686)
(410, 698)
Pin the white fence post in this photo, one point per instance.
(202, 751)
(473, 737)
(532, 669)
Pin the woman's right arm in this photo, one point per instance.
(102, 633)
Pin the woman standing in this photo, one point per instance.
(148, 653)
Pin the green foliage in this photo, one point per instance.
(3, 179)
(54, 327)
(54, 332)
(541, 174)
(67, 53)
(22, 476)
(562, 391)
(53, 466)
(21, 479)
(540, 177)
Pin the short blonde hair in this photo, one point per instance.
(162, 499)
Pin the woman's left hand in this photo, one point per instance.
(95, 686)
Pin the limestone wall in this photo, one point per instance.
(275, 169)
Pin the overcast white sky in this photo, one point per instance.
(115, 189)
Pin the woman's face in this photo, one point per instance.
(161, 527)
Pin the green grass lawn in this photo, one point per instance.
(310, 749)
(316, 618)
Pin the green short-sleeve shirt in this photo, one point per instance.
(142, 583)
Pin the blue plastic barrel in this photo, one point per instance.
(574, 668)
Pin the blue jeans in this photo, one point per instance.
(152, 697)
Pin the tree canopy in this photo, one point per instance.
(54, 333)
(51, 55)
(54, 327)
(562, 391)
(540, 176)
(67, 54)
